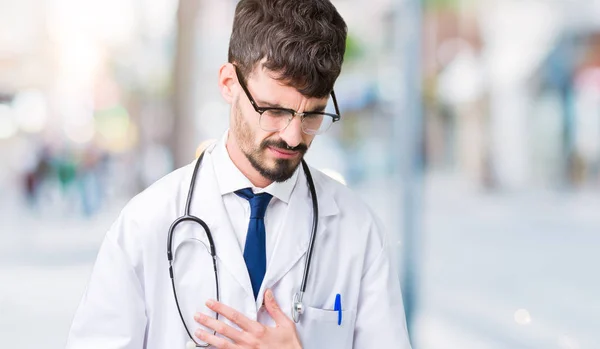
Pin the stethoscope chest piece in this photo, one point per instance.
(297, 306)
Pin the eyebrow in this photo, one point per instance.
(265, 104)
(262, 103)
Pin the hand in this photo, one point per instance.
(253, 335)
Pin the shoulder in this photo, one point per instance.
(155, 207)
(350, 205)
(355, 220)
(163, 194)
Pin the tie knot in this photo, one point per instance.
(258, 202)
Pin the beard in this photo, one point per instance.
(283, 169)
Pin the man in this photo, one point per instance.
(253, 195)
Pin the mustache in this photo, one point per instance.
(281, 144)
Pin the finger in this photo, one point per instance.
(274, 309)
(220, 327)
(235, 316)
(214, 341)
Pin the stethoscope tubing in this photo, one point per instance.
(315, 224)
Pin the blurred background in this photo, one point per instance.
(472, 127)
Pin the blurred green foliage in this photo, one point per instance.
(354, 49)
(442, 4)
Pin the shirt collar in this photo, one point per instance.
(231, 179)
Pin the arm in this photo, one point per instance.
(111, 314)
(380, 320)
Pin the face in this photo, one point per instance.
(274, 155)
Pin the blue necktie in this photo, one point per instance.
(255, 253)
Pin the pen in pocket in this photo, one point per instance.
(338, 307)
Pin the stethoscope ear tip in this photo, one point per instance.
(190, 345)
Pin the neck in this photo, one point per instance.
(243, 164)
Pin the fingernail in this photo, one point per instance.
(199, 334)
(199, 317)
(269, 295)
(210, 303)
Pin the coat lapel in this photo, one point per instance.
(294, 237)
(207, 204)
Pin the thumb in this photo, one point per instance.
(274, 310)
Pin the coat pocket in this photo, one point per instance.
(318, 328)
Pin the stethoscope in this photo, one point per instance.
(297, 305)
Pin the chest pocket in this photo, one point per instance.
(318, 328)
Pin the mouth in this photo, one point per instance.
(283, 154)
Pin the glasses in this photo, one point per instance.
(274, 119)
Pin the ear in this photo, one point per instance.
(227, 79)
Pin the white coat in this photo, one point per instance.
(129, 301)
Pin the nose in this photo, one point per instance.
(293, 133)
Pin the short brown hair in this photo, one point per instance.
(303, 41)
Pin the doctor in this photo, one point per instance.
(254, 196)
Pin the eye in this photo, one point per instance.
(312, 116)
(278, 112)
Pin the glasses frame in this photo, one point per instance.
(261, 110)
